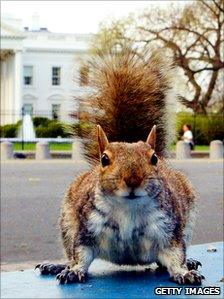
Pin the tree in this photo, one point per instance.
(194, 38)
(112, 37)
(192, 34)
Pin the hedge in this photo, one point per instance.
(44, 128)
(39, 121)
(205, 127)
(9, 131)
(52, 130)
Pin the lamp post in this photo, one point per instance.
(194, 126)
(23, 112)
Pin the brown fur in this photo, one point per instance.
(129, 166)
(131, 94)
(130, 208)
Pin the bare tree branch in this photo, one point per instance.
(210, 89)
(221, 9)
(200, 35)
(204, 49)
(169, 43)
(209, 7)
(193, 37)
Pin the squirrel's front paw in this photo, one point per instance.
(193, 264)
(50, 269)
(191, 277)
(68, 276)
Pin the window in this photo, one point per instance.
(56, 111)
(28, 109)
(84, 72)
(28, 75)
(56, 75)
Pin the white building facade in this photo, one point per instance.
(40, 71)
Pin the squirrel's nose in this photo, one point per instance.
(133, 182)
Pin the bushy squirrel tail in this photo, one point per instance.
(130, 94)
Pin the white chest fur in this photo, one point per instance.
(128, 232)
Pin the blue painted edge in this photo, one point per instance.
(110, 281)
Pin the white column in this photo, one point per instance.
(17, 105)
(3, 95)
(7, 89)
(42, 151)
(182, 150)
(6, 150)
(216, 149)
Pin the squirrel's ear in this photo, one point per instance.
(102, 139)
(151, 140)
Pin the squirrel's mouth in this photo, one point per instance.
(132, 195)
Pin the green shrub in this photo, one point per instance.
(56, 129)
(44, 128)
(52, 130)
(81, 128)
(42, 132)
(48, 128)
(204, 127)
(9, 131)
(40, 121)
(19, 123)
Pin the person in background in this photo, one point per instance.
(188, 136)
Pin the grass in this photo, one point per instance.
(202, 147)
(31, 146)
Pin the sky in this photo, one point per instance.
(73, 16)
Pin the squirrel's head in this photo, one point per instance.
(127, 167)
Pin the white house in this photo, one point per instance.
(40, 71)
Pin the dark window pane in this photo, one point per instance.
(55, 81)
(56, 75)
(28, 109)
(55, 111)
(56, 71)
(27, 80)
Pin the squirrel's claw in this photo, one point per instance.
(193, 264)
(68, 276)
(50, 269)
(192, 277)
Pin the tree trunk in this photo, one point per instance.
(195, 105)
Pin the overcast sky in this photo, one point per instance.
(73, 16)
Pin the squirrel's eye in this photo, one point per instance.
(105, 160)
(154, 159)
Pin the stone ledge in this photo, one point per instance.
(110, 281)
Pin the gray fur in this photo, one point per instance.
(129, 231)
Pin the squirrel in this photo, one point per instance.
(132, 207)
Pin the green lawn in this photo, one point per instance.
(202, 147)
(53, 146)
(68, 146)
